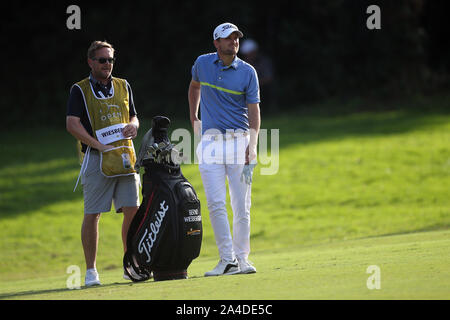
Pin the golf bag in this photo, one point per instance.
(166, 233)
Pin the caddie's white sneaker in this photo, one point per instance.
(91, 278)
(224, 268)
(246, 266)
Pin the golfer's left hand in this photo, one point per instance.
(130, 131)
(250, 154)
(247, 172)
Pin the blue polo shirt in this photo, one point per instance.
(225, 92)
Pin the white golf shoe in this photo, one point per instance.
(224, 268)
(91, 278)
(246, 266)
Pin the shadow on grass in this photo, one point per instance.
(430, 228)
(34, 154)
(30, 293)
(312, 129)
(29, 186)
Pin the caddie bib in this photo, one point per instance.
(108, 117)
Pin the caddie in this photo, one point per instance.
(101, 115)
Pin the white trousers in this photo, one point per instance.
(218, 161)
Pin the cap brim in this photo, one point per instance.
(226, 34)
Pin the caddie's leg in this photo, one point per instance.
(126, 200)
(89, 238)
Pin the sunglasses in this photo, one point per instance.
(103, 60)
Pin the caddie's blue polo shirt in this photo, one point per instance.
(225, 92)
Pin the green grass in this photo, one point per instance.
(412, 266)
(356, 177)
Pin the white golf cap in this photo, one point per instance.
(225, 29)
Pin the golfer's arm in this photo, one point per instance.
(75, 128)
(194, 101)
(254, 121)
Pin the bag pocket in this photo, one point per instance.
(191, 231)
(118, 161)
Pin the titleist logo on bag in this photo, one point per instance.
(148, 239)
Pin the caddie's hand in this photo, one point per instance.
(105, 147)
(247, 172)
(130, 131)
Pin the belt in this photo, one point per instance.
(225, 136)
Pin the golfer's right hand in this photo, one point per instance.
(197, 126)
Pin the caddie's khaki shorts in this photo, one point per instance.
(99, 192)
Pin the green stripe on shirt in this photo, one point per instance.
(221, 89)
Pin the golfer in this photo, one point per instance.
(102, 116)
(227, 91)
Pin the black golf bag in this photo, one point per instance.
(166, 233)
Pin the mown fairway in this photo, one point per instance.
(412, 266)
(351, 191)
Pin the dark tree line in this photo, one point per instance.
(320, 49)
